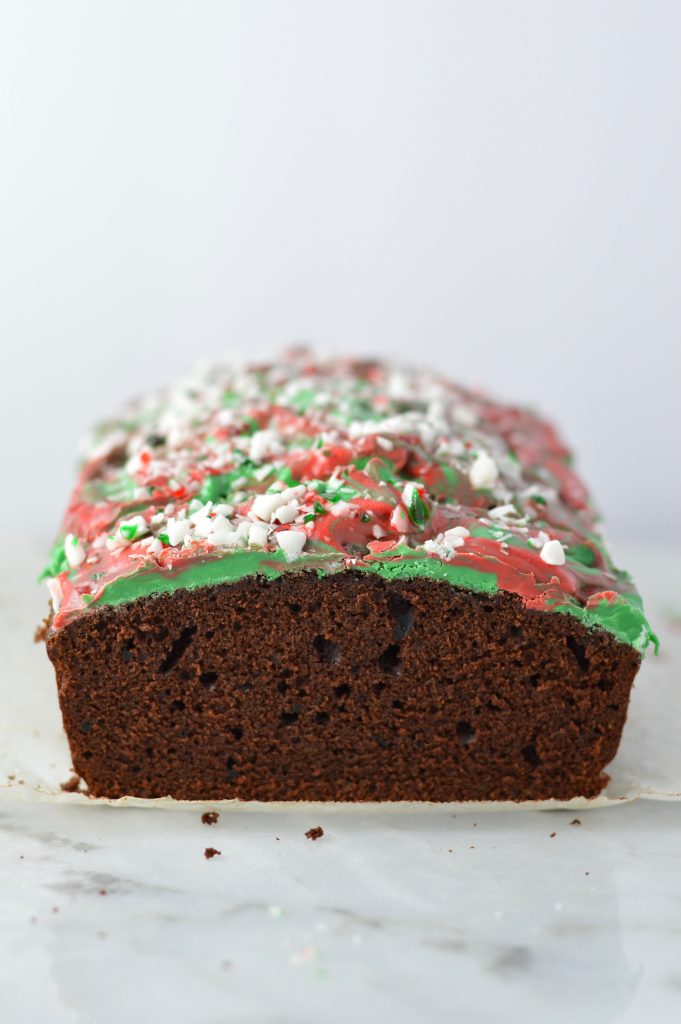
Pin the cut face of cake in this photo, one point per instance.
(337, 581)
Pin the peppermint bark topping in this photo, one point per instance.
(342, 465)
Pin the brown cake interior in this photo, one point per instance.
(347, 687)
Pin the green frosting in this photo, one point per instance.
(198, 574)
(582, 553)
(623, 617)
(408, 567)
(57, 563)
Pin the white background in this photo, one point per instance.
(490, 187)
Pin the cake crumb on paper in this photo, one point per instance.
(211, 852)
(41, 631)
(210, 818)
(315, 833)
(71, 785)
(575, 821)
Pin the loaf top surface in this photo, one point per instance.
(301, 465)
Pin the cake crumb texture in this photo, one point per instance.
(348, 687)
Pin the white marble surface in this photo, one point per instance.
(376, 921)
(112, 914)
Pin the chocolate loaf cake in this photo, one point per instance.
(340, 581)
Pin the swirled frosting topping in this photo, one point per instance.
(329, 466)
